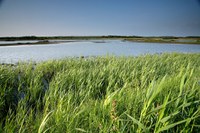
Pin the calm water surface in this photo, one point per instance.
(11, 42)
(14, 54)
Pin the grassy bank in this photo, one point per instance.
(173, 40)
(151, 93)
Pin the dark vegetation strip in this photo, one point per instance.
(161, 39)
(36, 43)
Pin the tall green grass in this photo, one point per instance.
(151, 93)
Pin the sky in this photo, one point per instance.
(99, 17)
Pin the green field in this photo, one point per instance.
(151, 93)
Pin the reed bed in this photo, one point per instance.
(149, 93)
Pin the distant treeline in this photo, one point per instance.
(86, 37)
(63, 37)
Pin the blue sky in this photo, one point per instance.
(99, 17)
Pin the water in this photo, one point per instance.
(11, 42)
(41, 52)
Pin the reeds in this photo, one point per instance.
(151, 93)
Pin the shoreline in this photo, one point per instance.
(36, 43)
(96, 39)
(163, 42)
(68, 41)
(87, 57)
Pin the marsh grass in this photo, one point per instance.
(151, 93)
